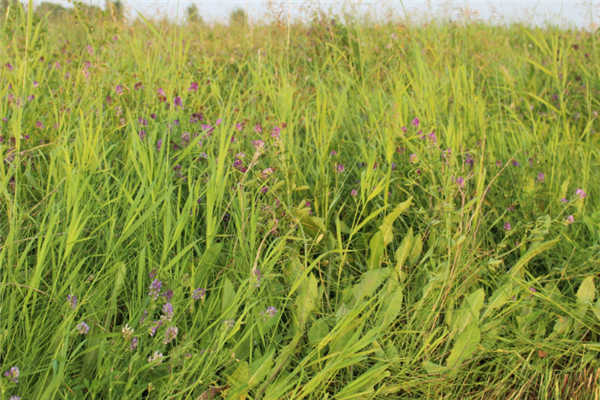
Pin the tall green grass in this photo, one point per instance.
(312, 241)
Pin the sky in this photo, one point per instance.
(580, 13)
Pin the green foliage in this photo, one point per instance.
(195, 212)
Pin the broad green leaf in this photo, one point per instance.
(392, 306)
(465, 345)
(260, 368)
(307, 299)
(416, 249)
(469, 311)
(433, 368)
(404, 250)
(376, 246)
(500, 297)
(228, 296)
(387, 225)
(369, 282)
(362, 386)
(318, 330)
(587, 291)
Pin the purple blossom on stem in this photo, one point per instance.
(276, 132)
(13, 374)
(9, 66)
(507, 226)
(170, 334)
(460, 181)
(415, 122)
(193, 87)
(570, 219)
(541, 177)
(158, 144)
(82, 328)
(72, 299)
(167, 310)
(177, 101)
(155, 327)
(154, 290)
(134, 343)
(257, 128)
(581, 193)
(354, 193)
(340, 167)
(258, 144)
(199, 294)
(119, 89)
(271, 311)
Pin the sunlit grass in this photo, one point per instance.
(343, 211)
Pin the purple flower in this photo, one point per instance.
(119, 89)
(415, 122)
(257, 128)
(515, 163)
(138, 85)
(218, 121)
(30, 97)
(199, 294)
(167, 311)
(239, 126)
(354, 193)
(82, 328)
(177, 101)
(156, 356)
(541, 177)
(507, 226)
(72, 299)
(275, 132)
(193, 87)
(39, 125)
(413, 158)
(460, 181)
(134, 343)
(258, 144)
(340, 167)
(14, 397)
(264, 189)
(36, 84)
(161, 93)
(13, 374)
(153, 116)
(158, 144)
(432, 137)
(580, 193)
(170, 334)
(271, 311)
(570, 219)
(333, 153)
(404, 129)
(564, 200)
(142, 134)
(9, 66)
(154, 290)
(155, 327)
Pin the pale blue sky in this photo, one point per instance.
(570, 12)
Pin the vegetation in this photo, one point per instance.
(343, 210)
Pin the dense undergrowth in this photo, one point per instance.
(335, 210)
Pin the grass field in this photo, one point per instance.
(333, 210)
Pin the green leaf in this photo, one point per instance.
(416, 249)
(404, 250)
(587, 291)
(465, 345)
(306, 301)
(318, 330)
(388, 222)
(500, 297)
(376, 246)
(228, 296)
(433, 368)
(369, 282)
(469, 311)
(392, 306)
